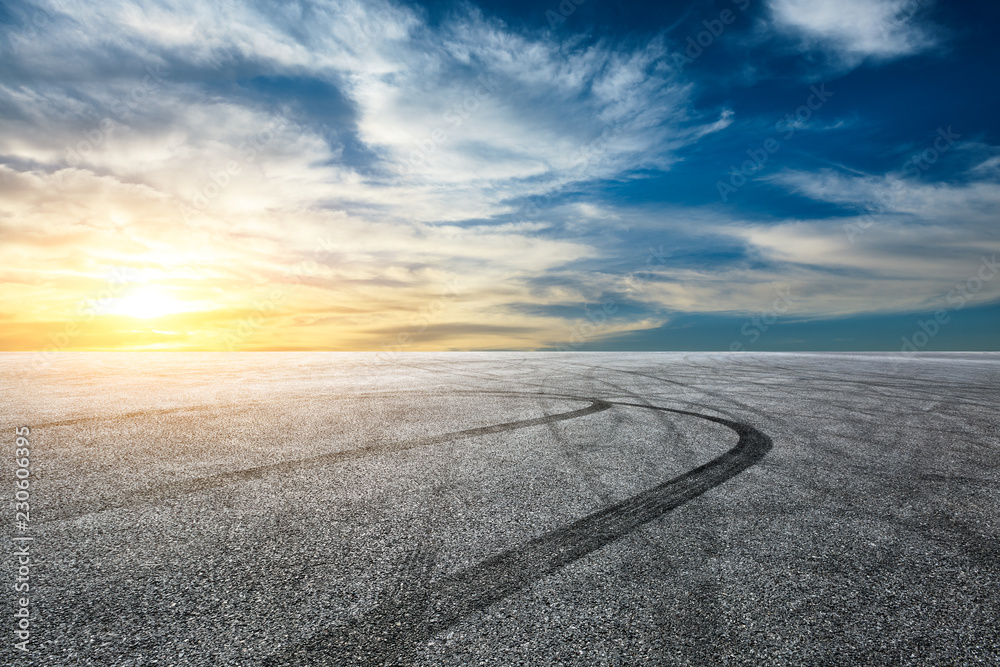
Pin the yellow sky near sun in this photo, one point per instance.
(91, 262)
(184, 186)
(149, 317)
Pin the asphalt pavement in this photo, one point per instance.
(504, 509)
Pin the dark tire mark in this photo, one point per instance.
(956, 535)
(959, 480)
(413, 618)
(158, 494)
(726, 398)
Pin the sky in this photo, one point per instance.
(502, 175)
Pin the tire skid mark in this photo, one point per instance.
(722, 397)
(167, 491)
(204, 407)
(413, 619)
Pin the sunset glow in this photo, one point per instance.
(398, 176)
(148, 303)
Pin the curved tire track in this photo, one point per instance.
(167, 491)
(391, 632)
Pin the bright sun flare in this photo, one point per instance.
(149, 302)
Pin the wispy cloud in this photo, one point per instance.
(853, 30)
(182, 153)
(214, 147)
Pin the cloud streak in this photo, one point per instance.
(214, 148)
(854, 30)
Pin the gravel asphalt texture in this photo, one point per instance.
(506, 509)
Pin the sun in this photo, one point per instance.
(149, 302)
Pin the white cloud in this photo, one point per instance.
(909, 244)
(854, 30)
(494, 115)
(463, 116)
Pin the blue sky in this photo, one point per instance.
(501, 175)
